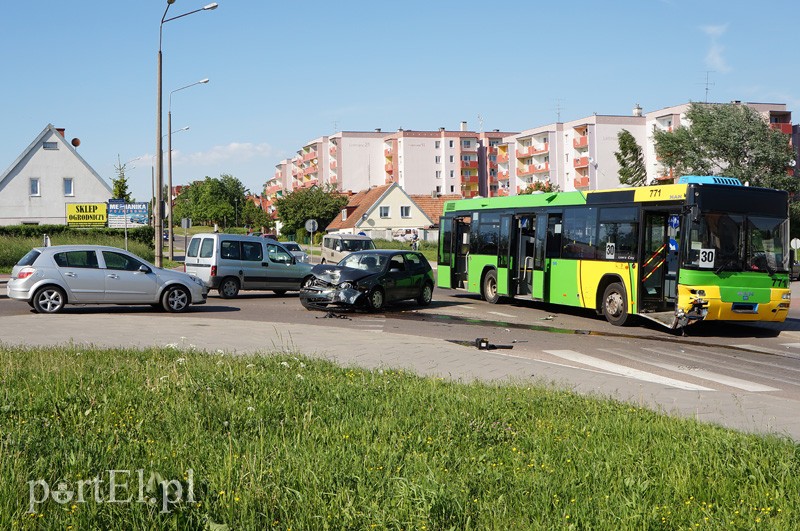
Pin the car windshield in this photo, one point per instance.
(365, 262)
(292, 247)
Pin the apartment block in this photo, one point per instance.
(575, 155)
(672, 117)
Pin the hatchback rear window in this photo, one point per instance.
(29, 258)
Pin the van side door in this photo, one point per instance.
(283, 274)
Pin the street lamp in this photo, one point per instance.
(158, 222)
(169, 157)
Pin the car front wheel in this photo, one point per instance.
(425, 295)
(50, 299)
(176, 299)
(376, 300)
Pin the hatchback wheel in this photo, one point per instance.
(176, 299)
(50, 299)
(376, 300)
(425, 295)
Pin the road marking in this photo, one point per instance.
(502, 314)
(764, 350)
(622, 370)
(703, 374)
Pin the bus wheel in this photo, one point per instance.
(490, 287)
(615, 304)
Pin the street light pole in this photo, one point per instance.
(158, 221)
(170, 245)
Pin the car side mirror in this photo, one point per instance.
(144, 269)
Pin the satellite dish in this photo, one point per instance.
(792, 163)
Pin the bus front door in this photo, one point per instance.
(660, 259)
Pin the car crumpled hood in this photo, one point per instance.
(334, 274)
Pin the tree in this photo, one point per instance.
(253, 215)
(732, 140)
(120, 188)
(540, 186)
(211, 200)
(309, 203)
(632, 170)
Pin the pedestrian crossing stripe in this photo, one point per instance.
(622, 370)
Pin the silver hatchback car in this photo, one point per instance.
(47, 278)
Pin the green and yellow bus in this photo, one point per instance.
(704, 248)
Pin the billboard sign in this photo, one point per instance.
(87, 215)
(131, 215)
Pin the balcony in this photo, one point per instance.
(581, 182)
(469, 179)
(308, 170)
(469, 164)
(783, 128)
(387, 153)
(581, 162)
(525, 169)
(502, 157)
(311, 155)
(332, 151)
(471, 148)
(580, 142)
(502, 176)
(333, 165)
(541, 168)
(389, 167)
(309, 183)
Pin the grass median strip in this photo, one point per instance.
(176, 438)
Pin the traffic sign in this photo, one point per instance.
(311, 225)
(795, 244)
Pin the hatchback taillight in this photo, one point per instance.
(25, 272)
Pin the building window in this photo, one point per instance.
(35, 187)
(438, 144)
(405, 211)
(50, 145)
(466, 144)
(452, 174)
(438, 174)
(452, 189)
(438, 159)
(68, 186)
(451, 143)
(451, 158)
(344, 214)
(384, 212)
(438, 189)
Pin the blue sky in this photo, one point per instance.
(285, 73)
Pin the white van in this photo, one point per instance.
(232, 262)
(337, 246)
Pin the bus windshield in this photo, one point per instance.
(736, 242)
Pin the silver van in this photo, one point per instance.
(337, 246)
(232, 262)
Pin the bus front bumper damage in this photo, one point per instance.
(697, 304)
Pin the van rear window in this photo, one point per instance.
(194, 245)
(207, 248)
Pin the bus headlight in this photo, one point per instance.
(787, 295)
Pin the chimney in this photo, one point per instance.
(637, 110)
(463, 126)
(441, 129)
(60, 131)
(377, 129)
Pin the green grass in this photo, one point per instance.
(283, 442)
